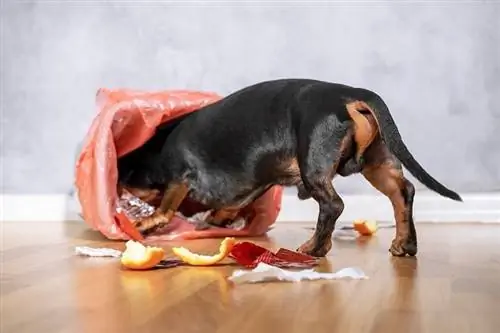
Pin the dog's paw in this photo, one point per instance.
(401, 248)
(316, 250)
(152, 223)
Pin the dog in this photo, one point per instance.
(288, 132)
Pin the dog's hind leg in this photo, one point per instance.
(318, 162)
(174, 194)
(385, 173)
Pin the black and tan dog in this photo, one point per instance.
(290, 132)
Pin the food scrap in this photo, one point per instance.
(140, 257)
(264, 264)
(205, 260)
(365, 228)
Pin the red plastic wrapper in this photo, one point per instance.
(126, 119)
(250, 255)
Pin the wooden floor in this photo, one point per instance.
(453, 286)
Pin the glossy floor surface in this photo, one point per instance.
(452, 286)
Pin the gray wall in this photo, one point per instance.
(437, 66)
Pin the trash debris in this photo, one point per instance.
(97, 252)
(264, 272)
(205, 260)
(365, 227)
(140, 257)
(250, 255)
(112, 253)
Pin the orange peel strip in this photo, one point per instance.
(204, 260)
(365, 228)
(140, 257)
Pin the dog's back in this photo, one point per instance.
(237, 146)
(288, 132)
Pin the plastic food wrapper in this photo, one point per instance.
(126, 119)
(264, 272)
(251, 255)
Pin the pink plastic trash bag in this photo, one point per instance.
(125, 121)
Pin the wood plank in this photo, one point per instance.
(452, 286)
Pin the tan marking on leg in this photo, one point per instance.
(172, 199)
(384, 174)
(390, 182)
(223, 215)
(309, 247)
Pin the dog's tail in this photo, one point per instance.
(392, 138)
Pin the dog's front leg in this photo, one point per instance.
(331, 207)
(174, 194)
(318, 161)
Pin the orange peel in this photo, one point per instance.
(365, 228)
(195, 259)
(140, 257)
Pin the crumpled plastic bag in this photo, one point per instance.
(126, 119)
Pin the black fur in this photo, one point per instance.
(229, 152)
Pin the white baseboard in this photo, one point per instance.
(428, 207)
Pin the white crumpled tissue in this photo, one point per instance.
(264, 272)
(97, 252)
